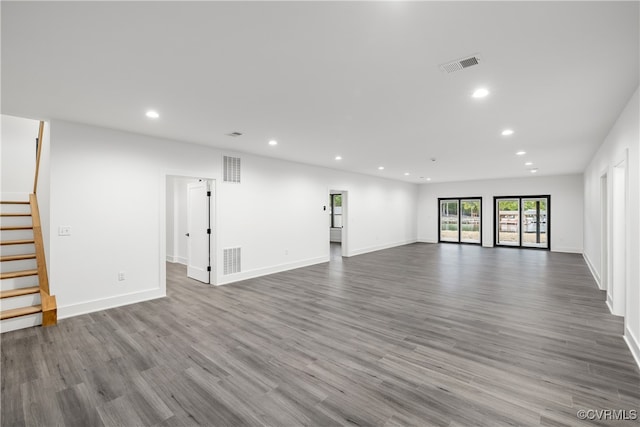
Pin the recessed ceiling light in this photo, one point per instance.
(521, 153)
(480, 93)
(338, 157)
(507, 132)
(406, 174)
(152, 114)
(528, 163)
(428, 179)
(380, 167)
(534, 170)
(273, 142)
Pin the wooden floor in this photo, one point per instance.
(447, 335)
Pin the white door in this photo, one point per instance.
(198, 228)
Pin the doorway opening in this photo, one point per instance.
(337, 225)
(190, 225)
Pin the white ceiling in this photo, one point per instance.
(358, 79)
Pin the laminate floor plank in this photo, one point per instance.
(422, 334)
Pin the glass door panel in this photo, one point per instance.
(534, 222)
(470, 220)
(508, 222)
(449, 230)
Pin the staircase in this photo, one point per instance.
(25, 299)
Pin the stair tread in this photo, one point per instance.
(19, 292)
(22, 311)
(13, 202)
(15, 214)
(17, 257)
(21, 273)
(17, 242)
(17, 227)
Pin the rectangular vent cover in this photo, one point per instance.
(232, 258)
(460, 64)
(231, 169)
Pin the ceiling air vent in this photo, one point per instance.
(232, 258)
(231, 169)
(234, 134)
(460, 64)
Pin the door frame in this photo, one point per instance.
(344, 244)
(459, 200)
(215, 258)
(496, 228)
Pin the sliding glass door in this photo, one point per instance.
(522, 221)
(460, 220)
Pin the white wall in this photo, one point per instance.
(17, 155)
(110, 187)
(565, 216)
(622, 141)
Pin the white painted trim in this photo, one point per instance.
(633, 344)
(177, 259)
(380, 247)
(609, 305)
(426, 240)
(106, 303)
(595, 275)
(244, 275)
(567, 250)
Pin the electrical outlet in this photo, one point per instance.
(121, 276)
(286, 251)
(64, 230)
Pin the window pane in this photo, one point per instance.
(470, 220)
(534, 223)
(337, 221)
(508, 221)
(449, 220)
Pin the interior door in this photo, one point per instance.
(198, 204)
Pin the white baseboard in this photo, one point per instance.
(567, 250)
(633, 344)
(176, 259)
(231, 278)
(609, 304)
(426, 240)
(594, 273)
(380, 247)
(112, 302)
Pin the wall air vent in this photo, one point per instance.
(232, 258)
(231, 169)
(460, 64)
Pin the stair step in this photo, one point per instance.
(14, 274)
(17, 227)
(22, 311)
(17, 257)
(19, 292)
(15, 214)
(17, 242)
(13, 202)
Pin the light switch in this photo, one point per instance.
(64, 230)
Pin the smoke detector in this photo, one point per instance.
(461, 64)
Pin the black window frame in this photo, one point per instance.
(496, 214)
(459, 200)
